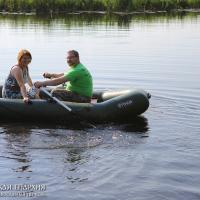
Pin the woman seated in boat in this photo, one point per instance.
(79, 85)
(18, 84)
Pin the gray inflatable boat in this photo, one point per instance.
(106, 106)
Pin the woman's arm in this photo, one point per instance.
(30, 83)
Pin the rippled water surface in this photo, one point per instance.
(155, 156)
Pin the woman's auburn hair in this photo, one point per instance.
(22, 53)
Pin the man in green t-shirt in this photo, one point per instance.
(79, 86)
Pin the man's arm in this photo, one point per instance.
(51, 82)
(52, 75)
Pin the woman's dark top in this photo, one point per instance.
(11, 87)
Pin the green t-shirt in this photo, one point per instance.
(79, 80)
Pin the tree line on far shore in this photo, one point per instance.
(47, 6)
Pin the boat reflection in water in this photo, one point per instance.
(33, 148)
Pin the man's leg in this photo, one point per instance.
(65, 95)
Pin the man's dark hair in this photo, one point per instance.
(76, 54)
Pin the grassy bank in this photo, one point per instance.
(45, 6)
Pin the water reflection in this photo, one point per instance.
(67, 136)
(17, 142)
(85, 19)
(136, 125)
(74, 159)
(63, 151)
(158, 58)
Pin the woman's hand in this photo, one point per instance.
(47, 75)
(26, 100)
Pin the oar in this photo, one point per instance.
(64, 106)
(56, 99)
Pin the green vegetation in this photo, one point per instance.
(45, 6)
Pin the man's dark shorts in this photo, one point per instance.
(65, 95)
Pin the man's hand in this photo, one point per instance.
(38, 84)
(47, 75)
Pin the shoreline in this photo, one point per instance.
(120, 13)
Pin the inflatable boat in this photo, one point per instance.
(105, 106)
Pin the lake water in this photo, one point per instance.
(154, 157)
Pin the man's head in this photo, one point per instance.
(73, 58)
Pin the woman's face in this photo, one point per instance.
(25, 60)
